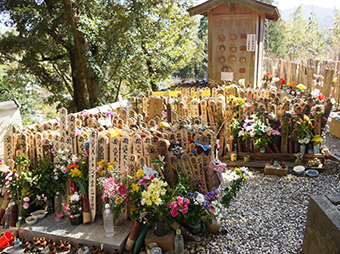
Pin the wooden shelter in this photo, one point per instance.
(235, 37)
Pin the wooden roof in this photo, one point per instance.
(271, 11)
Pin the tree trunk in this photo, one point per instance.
(82, 48)
(80, 94)
(150, 68)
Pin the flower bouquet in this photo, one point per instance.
(76, 168)
(74, 209)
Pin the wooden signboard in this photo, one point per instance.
(71, 123)
(9, 147)
(156, 106)
(187, 167)
(114, 150)
(81, 144)
(103, 148)
(145, 105)
(63, 126)
(125, 149)
(92, 175)
(184, 139)
(24, 142)
(146, 144)
(137, 146)
(131, 162)
(39, 147)
(201, 171)
(32, 150)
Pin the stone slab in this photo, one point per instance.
(275, 170)
(88, 234)
(334, 198)
(166, 242)
(322, 232)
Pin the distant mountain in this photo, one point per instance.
(324, 15)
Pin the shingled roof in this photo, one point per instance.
(271, 11)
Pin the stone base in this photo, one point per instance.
(166, 242)
(275, 170)
(322, 231)
(88, 234)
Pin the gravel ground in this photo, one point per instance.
(269, 214)
(332, 143)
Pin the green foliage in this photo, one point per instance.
(86, 53)
(230, 192)
(50, 181)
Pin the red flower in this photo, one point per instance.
(283, 81)
(321, 97)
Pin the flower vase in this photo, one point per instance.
(232, 143)
(117, 217)
(133, 235)
(290, 147)
(276, 148)
(268, 149)
(13, 216)
(86, 208)
(160, 229)
(316, 149)
(302, 149)
(194, 226)
(76, 219)
(262, 150)
(213, 226)
(239, 147)
(301, 93)
(290, 91)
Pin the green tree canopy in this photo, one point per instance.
(87, 52)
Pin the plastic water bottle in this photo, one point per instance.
(58, 207)
(179, 242)
(108, 221)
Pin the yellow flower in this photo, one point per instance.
(140, 173)
(132, 209)
(245, 177)
(119, 201)
(135, 187)
(144, 209)
(301, 87)
(75, 173)
(148, 202)
(109, 167)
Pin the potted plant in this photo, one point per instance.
(74, 209)
(317, 139)
(303, 132)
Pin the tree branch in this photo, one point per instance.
(44, 58)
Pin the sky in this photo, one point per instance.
(286, 4)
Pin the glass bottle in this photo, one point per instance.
(179, 242)
(58, 208)
(108, 221)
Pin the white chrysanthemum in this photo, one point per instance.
(200, 198)
(75, 197)
(4, 168)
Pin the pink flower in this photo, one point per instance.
(173, 205)
(38, 197)
(26, 199)
(174, 213)
(186, 202)
(67, 207)
(185, 210)
(45, 199)
(252, 134)
(26, 205)
(180, 201)
(212, 209)
(121, 190)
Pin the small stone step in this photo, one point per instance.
(88, 234)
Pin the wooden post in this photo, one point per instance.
(125, 149)
(114, 151)
(92, 175)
